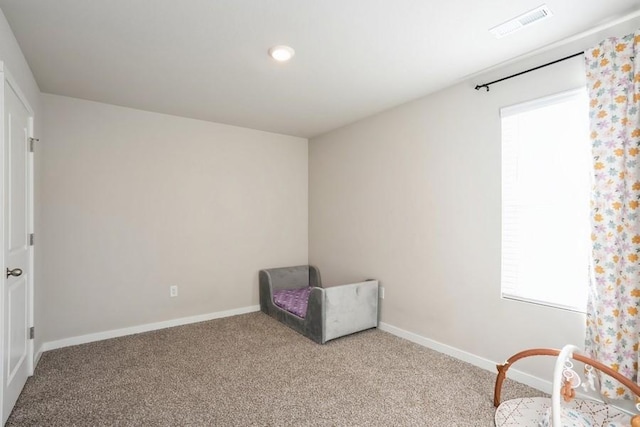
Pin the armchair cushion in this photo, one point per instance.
(293, 300)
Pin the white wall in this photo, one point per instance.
(135, 202)
(16, 64)
(14, 60)
(412, 197)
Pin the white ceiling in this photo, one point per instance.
(207, 59)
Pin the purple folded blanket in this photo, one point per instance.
(293, 300)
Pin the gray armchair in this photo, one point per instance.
(330, 312)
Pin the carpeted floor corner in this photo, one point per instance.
(250, 370)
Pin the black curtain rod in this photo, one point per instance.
(486, 85)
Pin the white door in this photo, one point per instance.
(15, 304)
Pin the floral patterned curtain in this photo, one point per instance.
(613, 325)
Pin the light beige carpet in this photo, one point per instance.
(250, 370)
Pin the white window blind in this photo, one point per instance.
(546, 164)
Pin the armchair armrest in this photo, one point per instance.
(350, 308)
(314, 319)
(314, 277)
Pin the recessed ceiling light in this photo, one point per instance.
(281, 53)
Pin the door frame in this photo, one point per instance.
(5, 75)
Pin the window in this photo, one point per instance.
(546, 182)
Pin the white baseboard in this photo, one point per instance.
(37, 357)
(514, 374)
(486, 364)
(115, 333)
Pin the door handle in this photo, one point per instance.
(15, 272)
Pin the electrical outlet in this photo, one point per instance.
(173, 291)
(381, 292)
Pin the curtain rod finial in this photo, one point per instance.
(486, 86)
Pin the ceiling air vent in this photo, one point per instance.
(519, 22)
